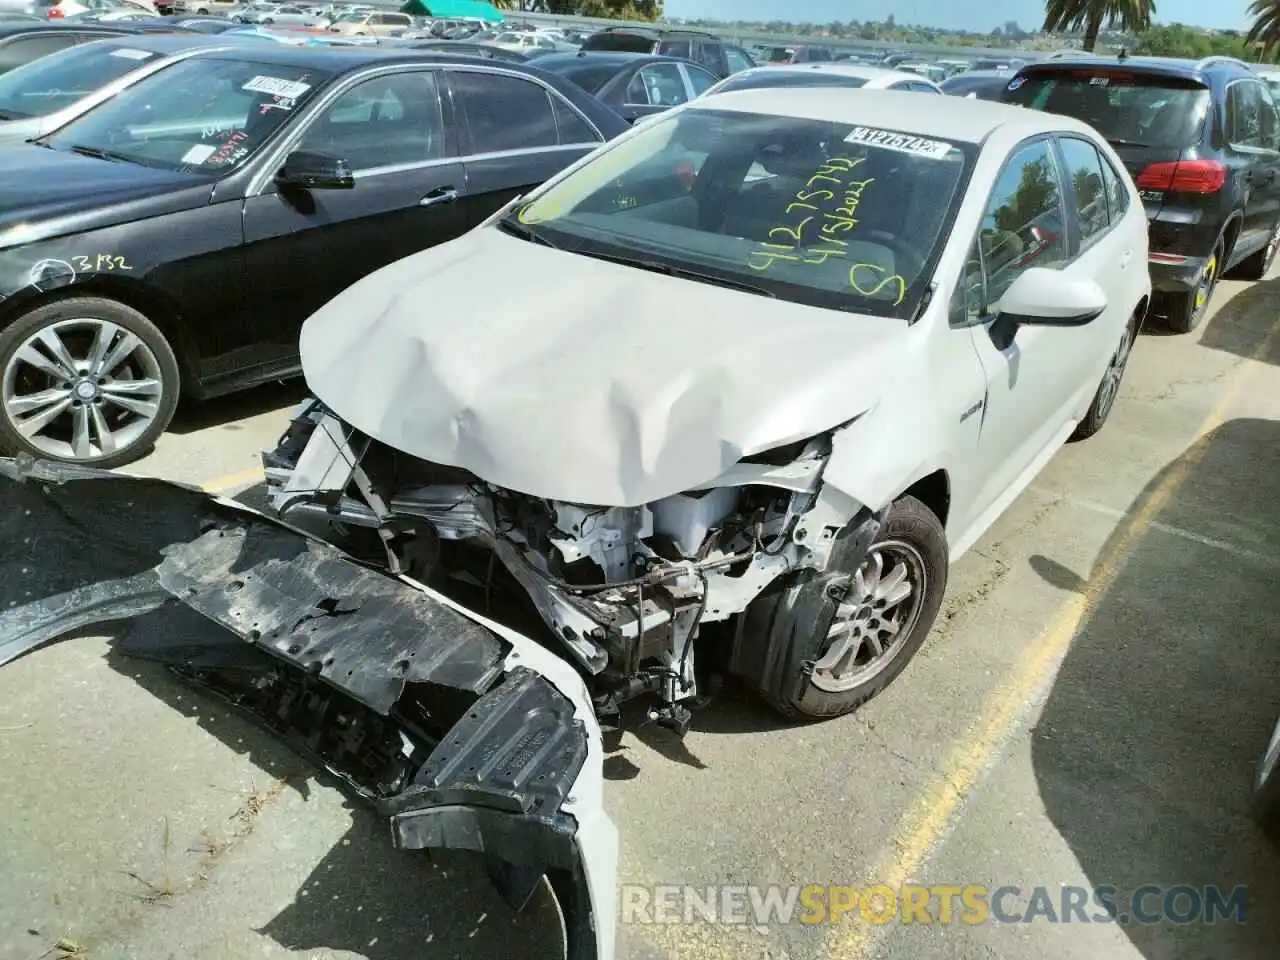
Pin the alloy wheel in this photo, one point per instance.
(82, 389)
(879, 610)
(1115, 369)
(1204, 289)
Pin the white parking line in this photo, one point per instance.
(1230, 548)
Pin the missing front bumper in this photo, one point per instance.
(466, 734)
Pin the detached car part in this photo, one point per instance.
(464, 733)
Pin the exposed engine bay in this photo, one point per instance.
(647, 600)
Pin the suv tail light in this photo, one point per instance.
(1184, 176)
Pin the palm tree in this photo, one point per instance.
(1090, 15)
(1266, 26)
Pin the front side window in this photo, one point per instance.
(381, 122)
(1024, 224)
(1128, 108)
(700, 79)
(202, 115)
(505, 112)
(660, 85)
(828, 214)
(1084, 170)
(47, 85)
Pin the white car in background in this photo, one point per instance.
(528, 42)
(838, 74)
(783, 405)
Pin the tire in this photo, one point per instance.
(1185, 311)
(1266, 788)
(133, 398)
(268, 22)
(1105, 396)
(1256, 265)
(812, 683)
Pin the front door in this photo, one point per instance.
(1035, 374)
(303, 247)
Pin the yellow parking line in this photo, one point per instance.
(232, 481)
(929, 818)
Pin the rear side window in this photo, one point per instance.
(1251, 115)
(573, 129)
(676, 48)
(1117, 192)
(1084, 171)
(1128, 108)
(505, 112)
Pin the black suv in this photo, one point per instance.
(1201, 140)
(703, 48)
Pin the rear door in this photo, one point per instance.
(303, 247)
(1251, 129)
(515, 133)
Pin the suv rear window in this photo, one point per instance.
(620, 42)
(1128, 108)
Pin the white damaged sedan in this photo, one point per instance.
(752, 377)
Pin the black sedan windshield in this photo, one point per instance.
(202, 115)
(829, 214)
(45, 86)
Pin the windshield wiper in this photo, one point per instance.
(99, 154)
(655, 267)
(516, 229)
(1119, 142)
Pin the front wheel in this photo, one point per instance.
(848, 636)
(85, 380)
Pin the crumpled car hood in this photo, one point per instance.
(575, 379)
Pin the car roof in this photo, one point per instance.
(8, 27)
(1168, 65)
(840, 68)
(617, 57)
(164, 42)
(945, 118)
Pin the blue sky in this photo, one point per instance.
(1224, 14)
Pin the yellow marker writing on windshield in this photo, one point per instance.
(881, 281)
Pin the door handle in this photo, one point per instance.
(440, 195)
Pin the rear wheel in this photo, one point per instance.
(1109, 388)
(1184, 311)
(85, 380)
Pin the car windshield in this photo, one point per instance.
(787, 78)
(44, 86)
(828, 214)
(203, 115)
(1141, 109)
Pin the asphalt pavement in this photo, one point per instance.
(1087, 714)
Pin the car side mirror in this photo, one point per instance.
(1049, 298)
(315, 171)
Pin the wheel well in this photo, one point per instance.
(1229, 236)
(934, 491)
(149, 303)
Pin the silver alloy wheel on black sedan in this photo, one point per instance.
(85, 381)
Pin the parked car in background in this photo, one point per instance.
(704, 49)
(527, 42)
(635, 85)
(825, 75)
(1202, 141)
(22, 41)
(977, 84)
(204, 24)
(41, 96)
(175, 237)
(206, 8)
(463, 48)
(384, 24)
(800, 53)
(738, 58)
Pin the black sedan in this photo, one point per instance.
(634, 84)
(22, 41)
(465, 49)
(172, 241)
(977, 84)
